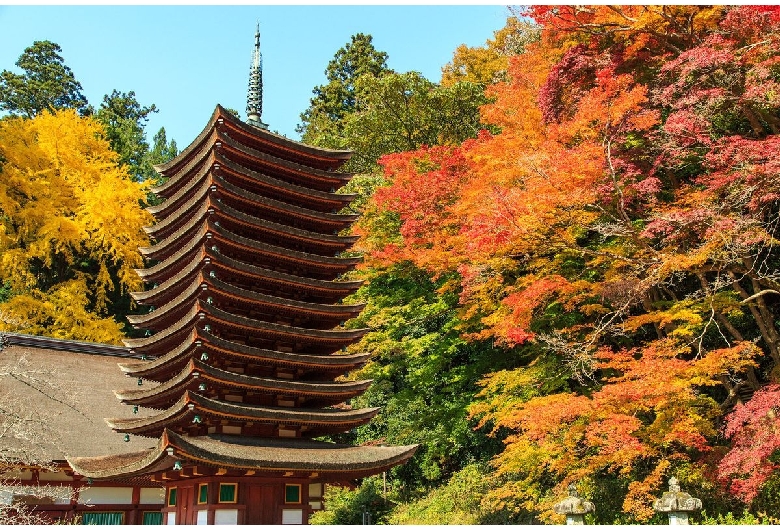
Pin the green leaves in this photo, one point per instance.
(321, 122)
(46, 84)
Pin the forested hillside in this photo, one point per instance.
(585, 290)
(570, 256)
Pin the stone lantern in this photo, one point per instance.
(574, 507)
(676, 504)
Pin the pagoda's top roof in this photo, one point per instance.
(266, 455)
(316, 156)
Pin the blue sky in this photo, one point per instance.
(186, 59)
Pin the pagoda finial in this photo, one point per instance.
(254, 96)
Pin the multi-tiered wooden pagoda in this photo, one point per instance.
(245, 341)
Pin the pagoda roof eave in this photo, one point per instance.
(333, 178)
(338, 154)
(239, 170)
(173, 203)
(222, 262)
(209, 313)
(235, 191)
(213, 285)
(192, 403)
(242, 452)
(209, 342)
(217, 211)
(313, 335)
(197, 371)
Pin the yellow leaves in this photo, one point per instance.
(708, 369)
(71, 213)
(485, 64)
(681, 321)
(59, 313)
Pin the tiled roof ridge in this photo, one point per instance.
(50, 343)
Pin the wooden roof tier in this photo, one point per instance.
(222, 241)
(278, 168)
(215, 164)
(227, 149)
(196, 372)
(267, 456)
(255, 228)
(243, 274)
(197, 413)
(213, 291)
(193, 347)
(260, 206)
(266, 141)
(208, 318)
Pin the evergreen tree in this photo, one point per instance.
(47, 83)
(322, 121)
(124, 120)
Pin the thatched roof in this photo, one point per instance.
(66, 388)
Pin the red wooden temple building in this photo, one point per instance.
(240, 369)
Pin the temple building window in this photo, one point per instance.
(292, 494)
(227, 492)
(203, 493)
(172, 497)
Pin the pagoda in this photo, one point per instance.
(240, 369)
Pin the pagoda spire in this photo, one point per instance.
(254, 96)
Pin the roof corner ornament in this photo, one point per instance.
(254, 96)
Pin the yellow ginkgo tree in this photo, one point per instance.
(70, 226)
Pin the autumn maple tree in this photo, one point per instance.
(616, 237)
